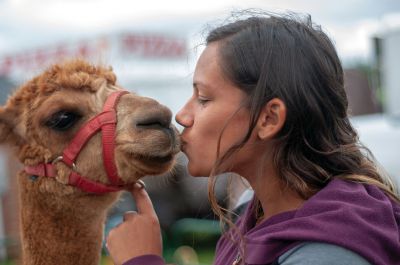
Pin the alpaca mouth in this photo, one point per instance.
(159, 159)
(154, 159)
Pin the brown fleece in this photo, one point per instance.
(61, 224)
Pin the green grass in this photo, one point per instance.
(206, 256)
(7, 262)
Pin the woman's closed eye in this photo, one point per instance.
(202, 100)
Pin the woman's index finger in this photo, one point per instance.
(143, 201)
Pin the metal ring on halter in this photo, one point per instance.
(141, 184)
(60, 158)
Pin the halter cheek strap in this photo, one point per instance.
(105, 121)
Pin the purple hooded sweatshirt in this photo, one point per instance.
(355, 216)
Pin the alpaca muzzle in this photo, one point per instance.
(105, 122)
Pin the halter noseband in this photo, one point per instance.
(105, 121)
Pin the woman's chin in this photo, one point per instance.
(197, 172)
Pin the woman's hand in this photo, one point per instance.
(139, 233)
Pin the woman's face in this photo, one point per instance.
(211, 107)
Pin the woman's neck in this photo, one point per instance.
(275, 197)
(279, 201)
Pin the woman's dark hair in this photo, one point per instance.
(290, 58)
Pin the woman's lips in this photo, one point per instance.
(183, 144)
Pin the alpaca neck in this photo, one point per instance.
(66, 229)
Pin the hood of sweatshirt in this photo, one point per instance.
(356, 216)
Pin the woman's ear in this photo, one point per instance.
(271, 120)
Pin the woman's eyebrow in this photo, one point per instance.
(203, 86)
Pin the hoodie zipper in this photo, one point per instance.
(237, 260)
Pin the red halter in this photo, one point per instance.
(106, 122)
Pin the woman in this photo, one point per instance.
(268, 103)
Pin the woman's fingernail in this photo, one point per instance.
(140, 184)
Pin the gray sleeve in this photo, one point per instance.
(317, 253)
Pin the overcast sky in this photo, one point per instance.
(30, 23)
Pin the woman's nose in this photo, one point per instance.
(184, 118)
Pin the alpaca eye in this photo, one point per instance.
(62, 120)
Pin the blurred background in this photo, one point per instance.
(153, 47)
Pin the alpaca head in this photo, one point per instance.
(45, 114)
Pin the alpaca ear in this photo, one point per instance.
(8, 126)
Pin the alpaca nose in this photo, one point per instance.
(155, 121)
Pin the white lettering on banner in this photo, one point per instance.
(152, 46)
(124, 46)
(41, 57)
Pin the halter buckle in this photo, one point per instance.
(61, 158)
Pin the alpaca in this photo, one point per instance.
(81, 139)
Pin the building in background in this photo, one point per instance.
(381, 132)
(9, 228)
